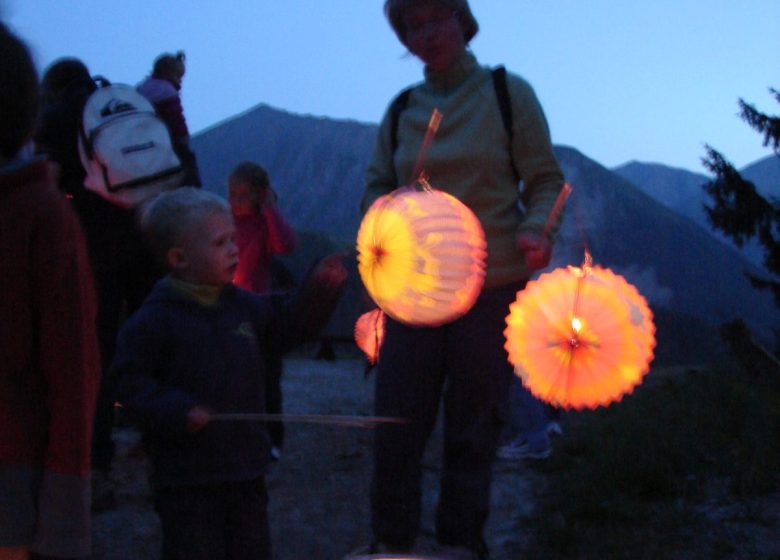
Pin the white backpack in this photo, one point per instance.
(125, 148)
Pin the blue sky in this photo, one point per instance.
(619, 80)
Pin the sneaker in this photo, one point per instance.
(276, 453)
(554, 429)
(103, 491)
(475, 551)
(522, 448)
(376, 550)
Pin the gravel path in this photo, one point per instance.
(319, 488)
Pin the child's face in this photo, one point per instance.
(244, 199)
(209, 254)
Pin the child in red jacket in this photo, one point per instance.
(261, 233)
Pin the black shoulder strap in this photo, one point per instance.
(396, 107)
(85, 140)
(505, 106)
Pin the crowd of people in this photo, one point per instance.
(167, 308)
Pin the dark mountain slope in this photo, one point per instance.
(317, 167)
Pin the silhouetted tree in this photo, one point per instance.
(738, 210)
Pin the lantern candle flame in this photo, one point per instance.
(576, 326)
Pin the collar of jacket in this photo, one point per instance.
(205, 295)
(453, 76)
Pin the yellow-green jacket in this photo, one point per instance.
(470, 157)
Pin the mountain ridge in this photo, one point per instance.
(682, 191)
(317, 166)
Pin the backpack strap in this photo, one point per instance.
(502, 94)
(504, 106)
(99, 82)
(396, 107)
(86, 139)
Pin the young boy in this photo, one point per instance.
(197, 347)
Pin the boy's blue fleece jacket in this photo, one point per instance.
(175, 353)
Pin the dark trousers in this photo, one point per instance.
(215, 522)
(465, 365)
(125, 273)
(273, 397)
(189, 164)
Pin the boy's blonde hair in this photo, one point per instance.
(173, 215)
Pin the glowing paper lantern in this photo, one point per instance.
(369, 333)
(421, 256)
(580, 337)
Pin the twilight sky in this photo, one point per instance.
(619, 80)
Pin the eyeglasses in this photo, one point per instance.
(417, 28)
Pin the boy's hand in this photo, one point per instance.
(319, 295)
(267, 197)
(537, 249)
(331, 271)
(197, 418)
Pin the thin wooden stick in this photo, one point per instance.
(557, 208)
(433, 126)
(764, 351)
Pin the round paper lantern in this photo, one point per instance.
(580, 337)
(421, 256)
(369, 333)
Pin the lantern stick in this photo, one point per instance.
(433, 126)
(557, 208)
(338, 420)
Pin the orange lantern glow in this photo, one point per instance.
(370, 333)
(421, 256)
(580, 337)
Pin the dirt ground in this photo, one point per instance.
(319, 488)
